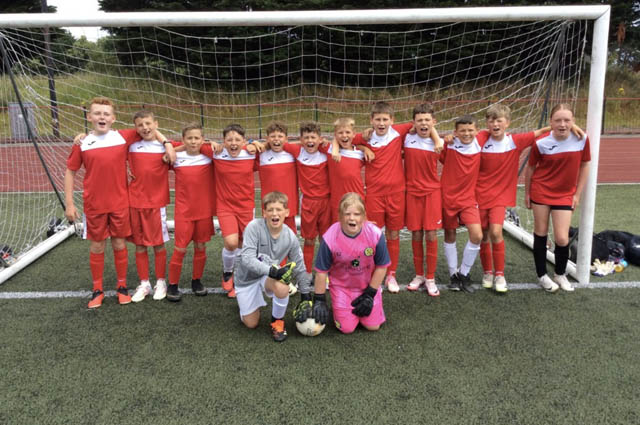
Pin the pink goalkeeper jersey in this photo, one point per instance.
(352, 258)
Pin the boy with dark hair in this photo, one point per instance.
(424, 217)
(278, 170)
(385, 181)
(106, 206)
(194, 209)
(461, 161)
(266, 243)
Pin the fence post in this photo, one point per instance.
(260, 121)
(86, 124)
(604, 113)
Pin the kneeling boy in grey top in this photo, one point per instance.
(266, 243)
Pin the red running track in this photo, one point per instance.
(21, 170)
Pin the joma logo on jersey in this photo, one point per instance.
(181, 161)
(91, 142)
(553, 147)
(140, 147)
(488, 146)
(459, 146)
(270, 158)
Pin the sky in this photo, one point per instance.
(79, 8)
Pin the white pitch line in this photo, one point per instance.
(219, 291)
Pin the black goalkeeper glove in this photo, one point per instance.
(303, 310)
(363, 305)
(282, 273)
(320, 309)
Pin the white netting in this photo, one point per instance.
(290, 74)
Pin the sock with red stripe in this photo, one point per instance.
(394, 253)
(307, 253)
(418, 257)
(175, 266)
(485, 257)
(199, 259)
(121, 260)
(432, 258)
(161, 264)
(498, 257)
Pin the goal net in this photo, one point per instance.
(276, 68)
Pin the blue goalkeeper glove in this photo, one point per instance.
(363, 305)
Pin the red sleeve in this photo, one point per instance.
(130, 135)
(74, 161)
(482, 137)
(324, 149)
(175, 143)
(586, 152)
(358, 140)
(403, 129)
(206, 150)
(292, 148)
(443, 154)
(524, 140)
(534, 156)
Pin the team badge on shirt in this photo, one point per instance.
(355, 262)
(368, 252)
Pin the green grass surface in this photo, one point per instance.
(527, 358)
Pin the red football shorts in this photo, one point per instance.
(387, 210)
(193, 230)
(424, 212)
(315, 217)
(148, 226)
(115, 224)
(234, 222)
(454, 218)
(490, 216)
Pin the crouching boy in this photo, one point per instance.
(266, 242)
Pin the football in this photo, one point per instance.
(309, 327)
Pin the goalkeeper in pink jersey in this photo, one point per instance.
(353, 252)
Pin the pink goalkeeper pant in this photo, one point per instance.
(345, 320)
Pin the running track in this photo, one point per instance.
(21, 170)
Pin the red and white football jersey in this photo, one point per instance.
(235, 187)
(555, 178)
(345, 176)
(460, 174)
(278, 172)
(385, 174)
(105, 162)
(150, 186)
(498, 177)
(420, 165)
(195, 190)
(313, 176)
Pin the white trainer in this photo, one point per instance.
(142, 291)
(487, 280)
(501, 284)
(160, 291)
(547, 284)
(416, 283)
(563, 282)
(392, 284)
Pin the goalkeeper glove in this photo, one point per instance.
(282, 273)
(320, 309)
(303, 310)
(363, 305)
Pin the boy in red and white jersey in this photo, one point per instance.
(106, 201)
(235, 196)
(278, 170)
(148, 197)
(345, 172)
(461, 161)
(385, 181)
(424, 198)
(313, 179)
(194, 208)
(496, 188)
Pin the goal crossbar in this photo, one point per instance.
(306, 17)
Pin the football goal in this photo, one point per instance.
(250, 68)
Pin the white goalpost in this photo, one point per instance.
(287, 65)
